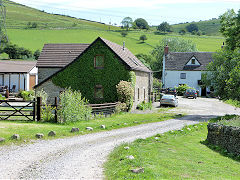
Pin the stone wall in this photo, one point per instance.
(51, 89)
(141, 91)
(44, 73)
(227, 137)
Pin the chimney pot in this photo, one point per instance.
(166, 49)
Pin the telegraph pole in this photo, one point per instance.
(3, 34)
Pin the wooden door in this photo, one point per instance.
(32, 81)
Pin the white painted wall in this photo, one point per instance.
(172, 79)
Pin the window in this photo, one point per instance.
(138, 94)
(193, 61)
(183, 76)
(99, 61)
(98, 93)
(144, 94)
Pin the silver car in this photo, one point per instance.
(169, 100)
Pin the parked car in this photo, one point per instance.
(169, 100)
(191, 93)
(172, 91)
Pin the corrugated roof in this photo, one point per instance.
(59, 55)
(9, 66)
(176, 61)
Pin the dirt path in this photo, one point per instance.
(82, 157)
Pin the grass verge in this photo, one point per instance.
(27, 130)
(173, 155)
(233, 102)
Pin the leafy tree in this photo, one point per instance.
(15, 52)
(36, 54)
(143, 37)
(182, 32)
(175, 45)
(127, 22)
(192, 27)
(230, 28)
(146, 59)
(141, 23)
(164, 26)
(124, 33)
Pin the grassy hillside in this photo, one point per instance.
(210, 27)
(18, 16)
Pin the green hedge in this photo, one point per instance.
(81, 74)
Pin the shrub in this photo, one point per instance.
(125, 93)
(73, 107)
(26, 95)
(143, 37)
(47, 113)
(42, 94)
(144, 105)
(181, 89)
(124, 33)
(120, 107)
(2, 98)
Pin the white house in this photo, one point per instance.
(185, 68)
(21, 74)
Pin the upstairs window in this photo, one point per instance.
(183, 76)
(98, 92)
(193, 61)
(99, 61)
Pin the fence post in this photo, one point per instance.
(39, 105)
(56, 106)
(155, 97)
(34, 109)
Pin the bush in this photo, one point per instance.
(125, 93)
(124, 33)
(47, 113)
(143, 37)
(144, 105)
(26, 95)
(121, 107)
(181, 89)
(73, 107)
(2, 98)
(42, 94)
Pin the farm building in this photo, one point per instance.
(16, 75)
(185, 68)
(95, 69)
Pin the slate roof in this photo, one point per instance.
(9, 66)
(59, 55)
(176, 61)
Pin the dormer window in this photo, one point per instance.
(99, 62)
(193, 60)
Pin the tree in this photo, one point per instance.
(182, 32)
(175, 45)
(124, 33)
(164, 26)
(230, 28)
(127, 23)
(15, 52)
(192, 27)
(143, 37)
(36, 54)
(141, 23)
(146, 59)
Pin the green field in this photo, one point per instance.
(34, 39)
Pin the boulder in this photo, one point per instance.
(103, 127)
(2, 139)
(16, 136)
(126, 147)
(74, 129)
(137, 170)
(52, 133)
(39, 135)
(130, 157)
(89, 128)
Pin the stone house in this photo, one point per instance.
(95, 69)
(185, 68)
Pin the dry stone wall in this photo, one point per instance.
(227, 137)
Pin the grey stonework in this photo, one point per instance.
(227, 137)
(44, 73)
(143, 83)
(51, 89)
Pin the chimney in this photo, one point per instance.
(123, 45)
(166, 48)
(223, 45)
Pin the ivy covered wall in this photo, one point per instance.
(81, 74)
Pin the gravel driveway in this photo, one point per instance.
(82, 157)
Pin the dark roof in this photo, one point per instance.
(9, 66)
(59, 55)
(176, 61)
(124, 54)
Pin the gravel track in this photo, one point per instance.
(82, 157)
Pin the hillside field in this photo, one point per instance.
(34, 39)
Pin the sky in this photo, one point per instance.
(153, 11)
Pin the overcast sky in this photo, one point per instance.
(154, 11)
